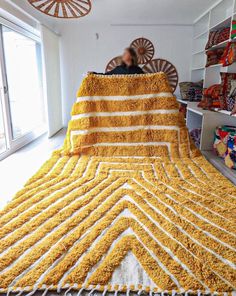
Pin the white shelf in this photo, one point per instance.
(192, 106)
(201, 27)
(222, 24)
(198, 52)
(221, 14)
(207, 120)
(213, 66)
(198, 68)
(219, 45)
(182, 101)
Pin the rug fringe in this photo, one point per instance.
(115, 291)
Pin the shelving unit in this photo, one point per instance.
(218, 16)
(207, 121)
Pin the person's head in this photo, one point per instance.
(129, 57)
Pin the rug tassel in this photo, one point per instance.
(150, 293)
(116, 292)
(104, 292)
(67, 291)
(139, 292)
(20, 293)
(80, 291)
(32, 292)
(90, 293)
(9, 291)
(45, 291)
(127, 293)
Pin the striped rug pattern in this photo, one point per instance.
(128, 204)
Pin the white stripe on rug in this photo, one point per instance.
(124, 98)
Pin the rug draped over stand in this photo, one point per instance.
(128, 203)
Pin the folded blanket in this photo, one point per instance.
(127, 204)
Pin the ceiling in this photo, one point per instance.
(132, 12)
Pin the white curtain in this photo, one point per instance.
(52, 81)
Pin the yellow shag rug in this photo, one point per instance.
(128, 203)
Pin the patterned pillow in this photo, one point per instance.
(233, 31)
(195, 93)
(212, 39)
(185, 88)
(223, 35)
(214, 56)
(231, 98)
(226, 79)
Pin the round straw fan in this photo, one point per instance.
(63, 8)
(144, 49)
(160, 65)
(113, 63)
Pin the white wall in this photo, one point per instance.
(81, 51)
(52, 81)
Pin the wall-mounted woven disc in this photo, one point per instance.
(144, 49)
(160, 65)
(113, 63)
(63, 8)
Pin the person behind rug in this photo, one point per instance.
(129, 64)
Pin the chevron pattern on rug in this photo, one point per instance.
(128, 204)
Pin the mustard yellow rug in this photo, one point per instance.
(128, 203)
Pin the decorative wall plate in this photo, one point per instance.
(63, 8)
(113, 63)
(144, 49)
(160, 65)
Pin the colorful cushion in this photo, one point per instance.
(233, 31)
(226, 79)
(184, 88)
(225, 144)
(230, 159)
(187, 89)
(214, 56)
(231, 98)
(223, 35)
(212, 39)
(216, 37)
(221, 138)
(195, 93)
(229, 55)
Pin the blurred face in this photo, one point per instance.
(127, 58)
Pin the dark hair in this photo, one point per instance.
(133, 54)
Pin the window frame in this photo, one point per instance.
(13, 145)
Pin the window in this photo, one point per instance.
(22, 105)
